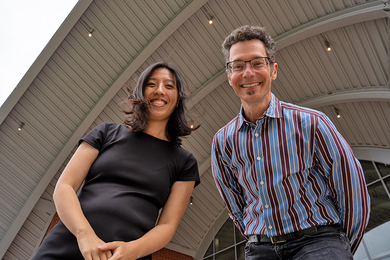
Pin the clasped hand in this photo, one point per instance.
(93, 248)
(120, 250)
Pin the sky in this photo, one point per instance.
(26, 26)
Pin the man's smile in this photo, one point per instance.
(250, 85)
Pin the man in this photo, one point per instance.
(289, 180)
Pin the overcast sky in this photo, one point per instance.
(26, 26)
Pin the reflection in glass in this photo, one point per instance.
(228, 254)
(239, 237)
(224, 237)
(383, 169)
(377, 243)
(369, 171)
(209, 250)
(241, 251)
(380, 205)
(387, 182)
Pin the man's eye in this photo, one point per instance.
(237, 66)
(258, 64)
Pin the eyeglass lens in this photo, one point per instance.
(258, 64)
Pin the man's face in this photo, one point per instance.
(251, 86)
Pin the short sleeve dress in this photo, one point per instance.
(127, 185)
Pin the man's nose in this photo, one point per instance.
(248, 70)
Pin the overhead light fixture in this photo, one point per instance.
(90, 32)
(327, 45)
(21, 126)
(88, 28)
(326, 42)
(208, 14)
(337, 112)
(191, 202)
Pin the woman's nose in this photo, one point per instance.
(160, 90)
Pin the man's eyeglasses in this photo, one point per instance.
(258, 64)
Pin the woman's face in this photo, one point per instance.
(162, 93)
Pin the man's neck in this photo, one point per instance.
(253, 112)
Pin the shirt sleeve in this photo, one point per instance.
(190, 170)
(228, 186)
(101, 135)
(346, 180)
(96, 136)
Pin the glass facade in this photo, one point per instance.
(228, 244)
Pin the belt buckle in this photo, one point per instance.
(276, 242)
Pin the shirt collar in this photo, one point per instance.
(274, 110)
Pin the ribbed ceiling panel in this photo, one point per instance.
(72, 93)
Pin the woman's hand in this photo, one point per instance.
(162, 233)
(120, 250)
(88, 244)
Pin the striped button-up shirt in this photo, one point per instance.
(289, 171)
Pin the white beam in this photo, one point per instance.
(380, 155)
(352, 95)
(357, 14)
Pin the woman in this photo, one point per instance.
(131, 171)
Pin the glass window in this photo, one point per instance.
(383, 169)
(209, 250)
(239, 237)
(380, 205)
(228, 254)
(369, 171)
(387, 182)
(241, 251)
(224, 237)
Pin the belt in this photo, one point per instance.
(286, 237)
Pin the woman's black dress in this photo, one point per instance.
(125, 188)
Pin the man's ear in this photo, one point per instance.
(228, 76)
(274, 73)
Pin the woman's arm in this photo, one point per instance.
(68, 206)
(162, 233)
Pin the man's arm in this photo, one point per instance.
(346, 181)
(228, 186)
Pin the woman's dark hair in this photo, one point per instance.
(137, 111)
(246, 33)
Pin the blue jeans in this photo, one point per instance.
(328, 243)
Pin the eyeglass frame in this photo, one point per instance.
(229, 69)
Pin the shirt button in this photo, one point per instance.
(257, 135)
(262, 183)
(270, 227)
(266, 206)
(258, 158)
